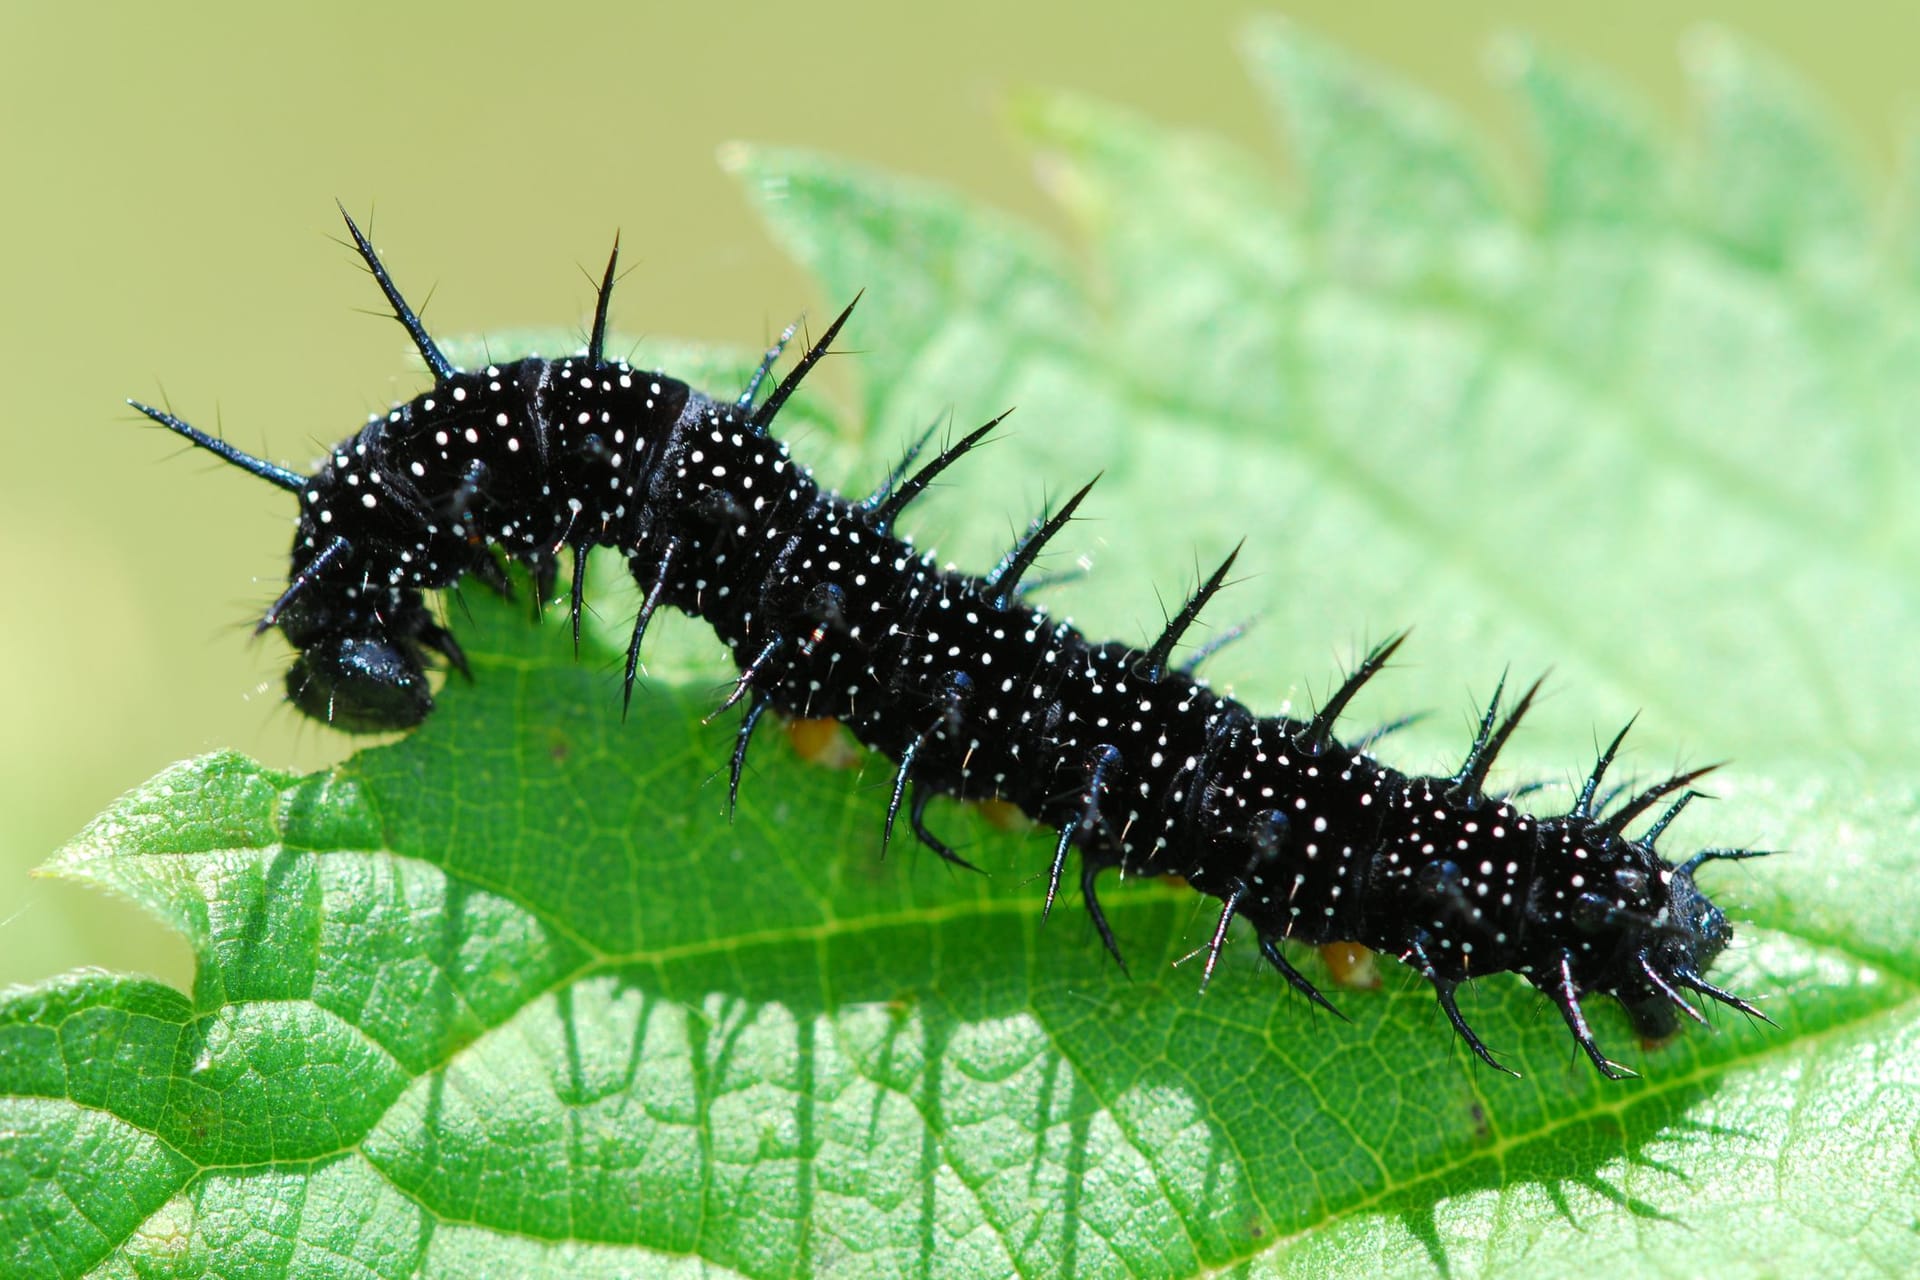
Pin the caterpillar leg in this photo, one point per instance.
(755, 709)
(917, 819)
(1443, 989)
(645, 616)
(1270, 948)
(1103, 766)
(1566, 995)
(1089, 875)
(957, 692)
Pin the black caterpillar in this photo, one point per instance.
(974, 692)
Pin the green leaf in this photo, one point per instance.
(512, 996)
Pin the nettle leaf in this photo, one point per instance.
(512, 997)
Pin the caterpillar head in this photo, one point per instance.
(360, 670)
(1665, 952)
(1617, 919)
(364, 643)
(359, 683)
(1638, 927)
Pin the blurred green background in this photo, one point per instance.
(168, 234)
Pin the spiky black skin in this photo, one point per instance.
(974, 691)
